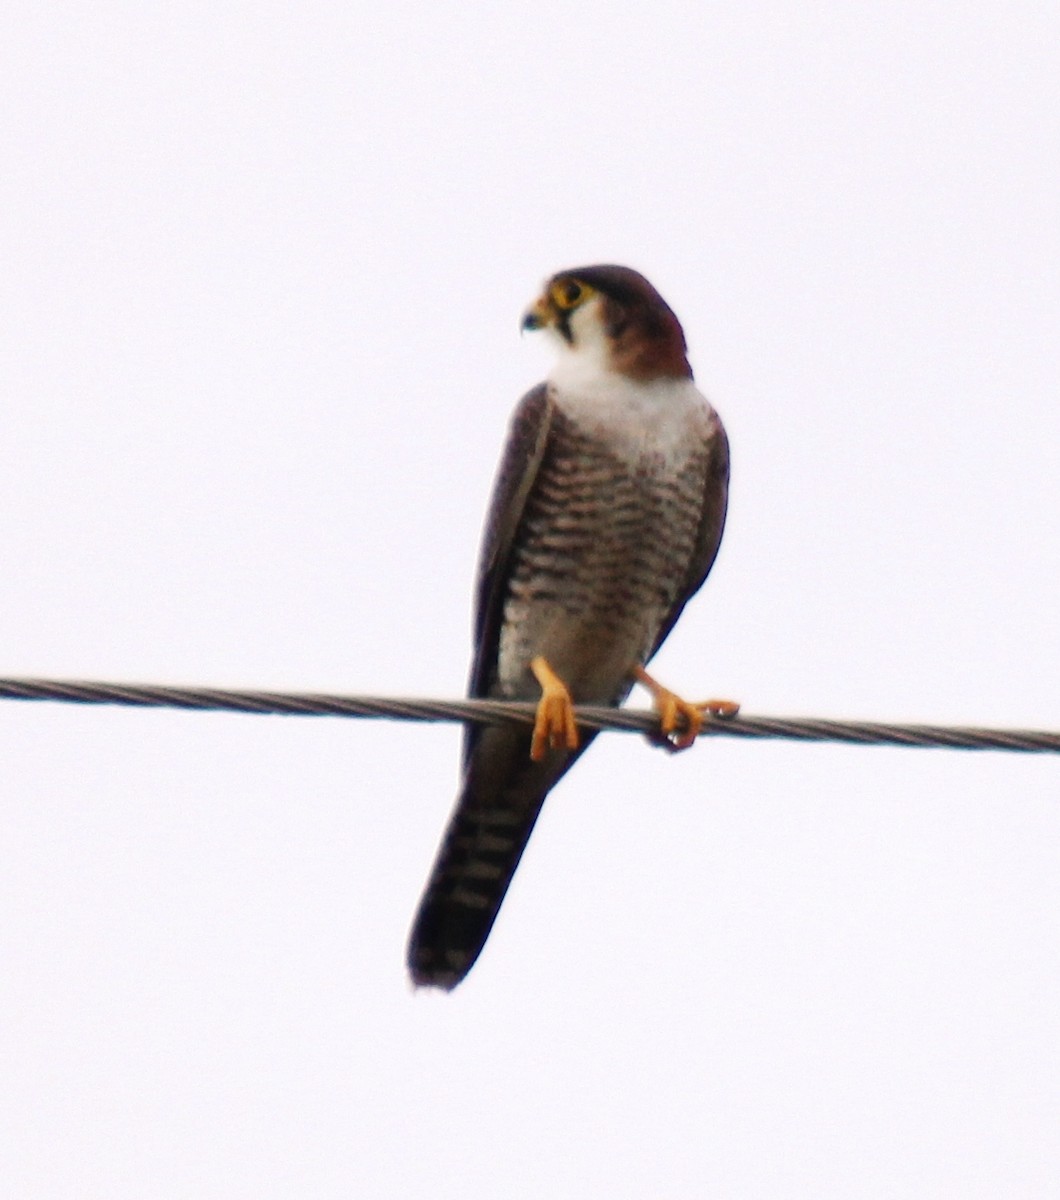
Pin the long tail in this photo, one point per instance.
(499, 803)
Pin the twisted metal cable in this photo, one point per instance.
(862, 733)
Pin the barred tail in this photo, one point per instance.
(499, 803)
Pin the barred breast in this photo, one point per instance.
(606, 540)
(608, 546)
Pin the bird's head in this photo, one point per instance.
(612, 319)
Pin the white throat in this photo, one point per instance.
(588, 358)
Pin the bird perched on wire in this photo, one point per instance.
(606, 515)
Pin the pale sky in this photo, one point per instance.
(261, 275)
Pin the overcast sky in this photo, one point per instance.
(261, 275)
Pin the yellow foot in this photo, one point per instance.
(679, 720)
(554, 727)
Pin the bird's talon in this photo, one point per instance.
(692, 721)
(554, 724)
(723, 709)
(679, 721)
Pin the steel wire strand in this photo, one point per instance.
(864, 733)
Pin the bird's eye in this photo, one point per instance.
(567, 293)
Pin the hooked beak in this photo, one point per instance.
(538, 315)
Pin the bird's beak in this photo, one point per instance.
(538, 315)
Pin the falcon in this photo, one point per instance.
(606, 516)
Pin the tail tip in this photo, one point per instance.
(444, 970)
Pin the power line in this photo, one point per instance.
(315, 704)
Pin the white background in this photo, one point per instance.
(261, 274)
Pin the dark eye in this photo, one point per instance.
(567, 293)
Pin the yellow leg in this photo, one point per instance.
(675, 712)
(554, 727)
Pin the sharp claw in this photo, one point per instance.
(675, 708)
(680, 722)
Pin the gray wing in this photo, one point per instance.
(520, 462)
(711, 526)
(503, 789)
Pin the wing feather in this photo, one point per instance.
(520, 462)
(711, 525)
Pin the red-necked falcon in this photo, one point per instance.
(606, 516)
